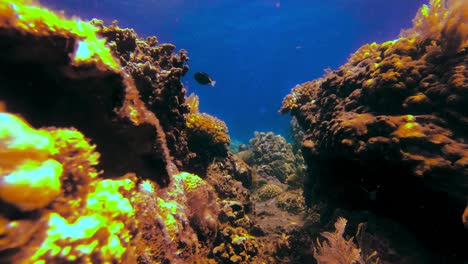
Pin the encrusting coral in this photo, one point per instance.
(207, 128)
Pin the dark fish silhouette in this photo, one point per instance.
(203, 78)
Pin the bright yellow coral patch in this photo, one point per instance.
(25, 16)
(100, 229)
(35, 168)
(205, 125)
(29, 177)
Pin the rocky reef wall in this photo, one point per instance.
(95, 132)
(387, 131)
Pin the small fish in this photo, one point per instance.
(203, 78)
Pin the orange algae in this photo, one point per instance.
(29, 17)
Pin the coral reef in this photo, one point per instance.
(156, 71)
(103, 158)
(116, 194)
(71, 92)
(386, 131)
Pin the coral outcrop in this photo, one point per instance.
(156, 71)
(54, 206)
(273, 156)
(387, 130)
(207, 137)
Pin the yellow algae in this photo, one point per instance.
(76, 154)
(409, 125)
(425, 10)
(107, 198)
(32, 185)
(409, 130)
(28, 17)
(147, 186)
(191, 181)
(106, 209)
(29, 177)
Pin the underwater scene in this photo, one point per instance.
(261, 131)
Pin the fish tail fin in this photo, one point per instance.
(213, 83)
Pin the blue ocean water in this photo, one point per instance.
(255, 50)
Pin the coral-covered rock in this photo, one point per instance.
(60, 212)
(387, 130)
(156, 71)
(273, 156)
(291, 201)
(94, 96)
(178, 223)
(237, 246)
(207, 137)
(231, 178)
(125, 95)
(30, 177)
(207, 130)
